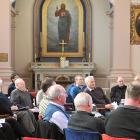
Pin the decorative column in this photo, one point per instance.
(121, 51)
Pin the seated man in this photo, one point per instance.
(118, 91)
(44, 86)
(44, 101)
(137, 77)
(55, 110)
(22, 99)
(83, 119)
(20, 96)
(75, 88)
(125, 120)
(11, 87)
(98, 96)
(6, 112)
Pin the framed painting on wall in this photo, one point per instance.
(62, 28)
(135, 25)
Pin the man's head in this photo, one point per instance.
(47, 83)
(90, 82)
(137, 78)
(83, 102)
(132, 95)
(120, 81)
(13, 77)
(1, 82)
(79, 80)
(63, 6)
(20, 84)
(57, 94)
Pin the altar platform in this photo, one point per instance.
(64, 75)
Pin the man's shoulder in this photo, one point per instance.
(11, 85)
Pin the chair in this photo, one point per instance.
(30, 138)
(71, 134)
(48, 130)
(107, 137)
(33, 95)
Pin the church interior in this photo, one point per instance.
(102, 41)
(69, 69)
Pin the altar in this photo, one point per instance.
(62, 75)
(61, 52)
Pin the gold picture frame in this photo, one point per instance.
(135, 25)
(44, 34)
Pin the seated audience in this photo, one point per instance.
(11, 87)
(98, 96)
(6, 112)
(44, 102)
(83, 119)
(118, 91)
(44, 86)
(22, 99)
(75, 88)
(55, 111)
(124, 121)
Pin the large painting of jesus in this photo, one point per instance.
(62, 21)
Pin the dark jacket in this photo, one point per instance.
(5, 105)
(117, 93)
(98, 97)
(82, 120)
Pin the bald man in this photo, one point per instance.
(118, 91)
(22, 99)
(83, 119)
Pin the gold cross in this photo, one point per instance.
(63, 45)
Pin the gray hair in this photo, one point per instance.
(18, 80)
(82, 99)
(88, 78)
(133, 90)
(55, 91)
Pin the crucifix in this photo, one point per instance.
(63, 47)
(62, 58)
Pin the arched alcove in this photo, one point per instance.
(84, 29)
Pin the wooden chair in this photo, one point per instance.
(33, 94)
(107, 137)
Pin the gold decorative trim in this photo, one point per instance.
(36, 39)
(135, 25)
(44, 34)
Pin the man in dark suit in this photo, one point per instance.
(83, 119)
(98, 96)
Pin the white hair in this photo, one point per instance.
(17, 81)
(82, 99)
(88, 78)
(55, 91)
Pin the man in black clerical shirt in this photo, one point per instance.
(118, 91)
